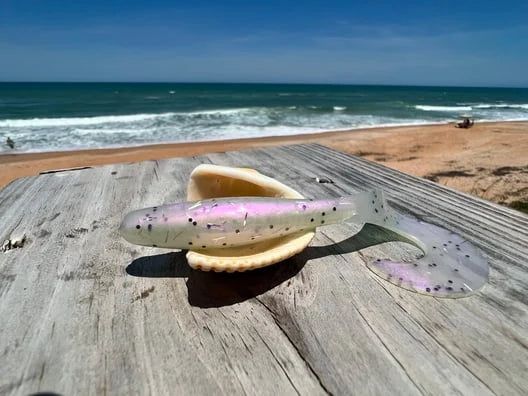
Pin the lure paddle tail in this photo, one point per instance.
(450, 266)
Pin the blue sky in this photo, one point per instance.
(483, 43)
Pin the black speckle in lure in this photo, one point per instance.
(462, 289)
(434, 264)
(203, 246)
(208, 226)
(445, 244)
(138, 226)
(430, 265)
(237, 231)
(436, 288)
(287, 228)
(449, 288)
(375, 210)
(153, 245)
(322, 221)
(147, 215)
(415, 264)
(194, 223)
(150, 227)
(334, 209)
(427, 289)
(304, 207)
(154, 209)
(190, 243)
(449, 281)
(271, 226)
(456, 270)
(434, 247)
(190, 219)
(467, 255)
(449, 242)
(224, 244)
(401, 279)
(252, 238)
(312, 220)
(378, 260)
(372, 202)
(322, 214)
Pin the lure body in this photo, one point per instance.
(450, 267)
(230, 222)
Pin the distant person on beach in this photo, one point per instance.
(10, 142)
(466, 123)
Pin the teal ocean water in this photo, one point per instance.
(64, 116)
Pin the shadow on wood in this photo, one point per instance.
(211, 289)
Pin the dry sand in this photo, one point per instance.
(489, 160)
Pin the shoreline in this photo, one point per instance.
(243, 140)
(219, 141)
(489, 160)
(295, 136)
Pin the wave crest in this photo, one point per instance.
(443, 108)
(73, 121)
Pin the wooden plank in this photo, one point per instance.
(84, 312)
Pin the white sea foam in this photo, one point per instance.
(443, 108)
(501, 106)
(45, 134)
(339, 108)
(55, 122)
(220, 111)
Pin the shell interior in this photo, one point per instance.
(214, 181)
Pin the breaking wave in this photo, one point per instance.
(59, 122)
(49, 134)
(298, 117)
(443, 108)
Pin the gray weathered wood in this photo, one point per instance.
(83, 312)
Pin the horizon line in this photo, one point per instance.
(266, 83)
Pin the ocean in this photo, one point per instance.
(64, 116)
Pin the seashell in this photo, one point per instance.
(214, 181)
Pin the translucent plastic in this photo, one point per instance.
(450, 267)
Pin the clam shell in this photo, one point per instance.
(214, 181)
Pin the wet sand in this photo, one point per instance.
(489, 160)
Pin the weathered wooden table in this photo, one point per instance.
(84, 312)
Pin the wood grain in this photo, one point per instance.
(84, 312)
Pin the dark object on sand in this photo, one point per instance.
(10, 143)
(466, 123)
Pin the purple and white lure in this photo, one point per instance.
(450, 266)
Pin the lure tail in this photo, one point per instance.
(450, 266)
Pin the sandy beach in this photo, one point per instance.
(489, 160)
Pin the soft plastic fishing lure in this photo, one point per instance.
(450, 266)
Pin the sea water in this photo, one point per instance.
(64, 116)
